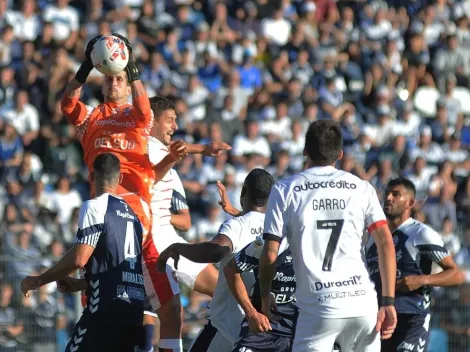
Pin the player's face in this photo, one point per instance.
(115, 87)
(397, 201)
(165, 126)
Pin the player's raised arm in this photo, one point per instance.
(73, 109)
(140, 99)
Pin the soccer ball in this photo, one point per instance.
(110, 55)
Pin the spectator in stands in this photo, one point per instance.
(11, 326)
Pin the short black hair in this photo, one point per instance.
(258, 186)
(324, 142)
(159, 105)
(403, 181)
(107, 167)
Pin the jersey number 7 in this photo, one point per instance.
(335, 226)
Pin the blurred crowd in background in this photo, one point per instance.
(252, 73)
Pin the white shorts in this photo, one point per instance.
(187, 270)
(210, 339)
(315, 334)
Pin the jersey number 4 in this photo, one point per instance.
(129, 245)
(335, 226)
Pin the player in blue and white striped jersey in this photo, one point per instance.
(417, 246)
(109, 247)
(257, 333)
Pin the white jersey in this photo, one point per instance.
(167, 192)
(324, 212)
(225, 314)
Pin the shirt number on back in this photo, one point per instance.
(335, 226)
(129, 245)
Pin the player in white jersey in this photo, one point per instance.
(169, 189)
(225, 315)
(323, 212)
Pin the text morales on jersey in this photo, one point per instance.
(353, 280)
(133, 278)
(327, 184)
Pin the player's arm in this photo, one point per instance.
(73, 109)
(430, 246)
(274, 230)
(211, 149)
(225, 201)
(386, 253)
(180, 217)
(176, 151)
(206, 252)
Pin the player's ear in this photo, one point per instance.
(412, 202)
(129, 91)
(120, 179)
(340, 155)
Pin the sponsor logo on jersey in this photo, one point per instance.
(326, 184)
(340, 295)
(406, 346)
(258, 231)
(113, 122)
(281, 277)
(353, 280)
(124, 215)
(259, 243)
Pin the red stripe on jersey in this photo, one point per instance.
(376, 225)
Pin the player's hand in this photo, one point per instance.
(215, 148)
(170, 252)
(224, 201)
(409, 283)
(386, 322)
(269, 308)
(30, 283)
(127, 42)
(258, 322)
(178, 150)
(70, 284)
(89, 47)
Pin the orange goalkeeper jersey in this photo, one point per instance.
(121, 130)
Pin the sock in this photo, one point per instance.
(145, 344)
(170, 345)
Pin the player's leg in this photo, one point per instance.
(162, 289)
(210, 339)
(196, 276)
(146, 333)
(414, 333)
(359, 335)
(315, 334)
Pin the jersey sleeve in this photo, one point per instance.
(430, 244)
(232, 229)
(374, 215)
(90, 222)
(75, 111)
(178, 199)
(248, 258)
(142, 113)
(275, 222)
(156, 151)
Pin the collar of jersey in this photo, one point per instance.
(406, 223)
(322, 170)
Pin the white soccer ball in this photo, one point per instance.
(110, 55)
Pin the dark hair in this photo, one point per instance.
(402, 181)
(258, 186)
(159, 105)
(107, 167)
(324, 142)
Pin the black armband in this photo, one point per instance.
(83, 72)
(387, 301)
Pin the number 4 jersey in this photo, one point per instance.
(114, 271)
(323, 212)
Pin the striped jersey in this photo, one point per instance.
(114, 271)
(417, 246)
(168, 194)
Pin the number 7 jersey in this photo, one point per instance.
(323, 212)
